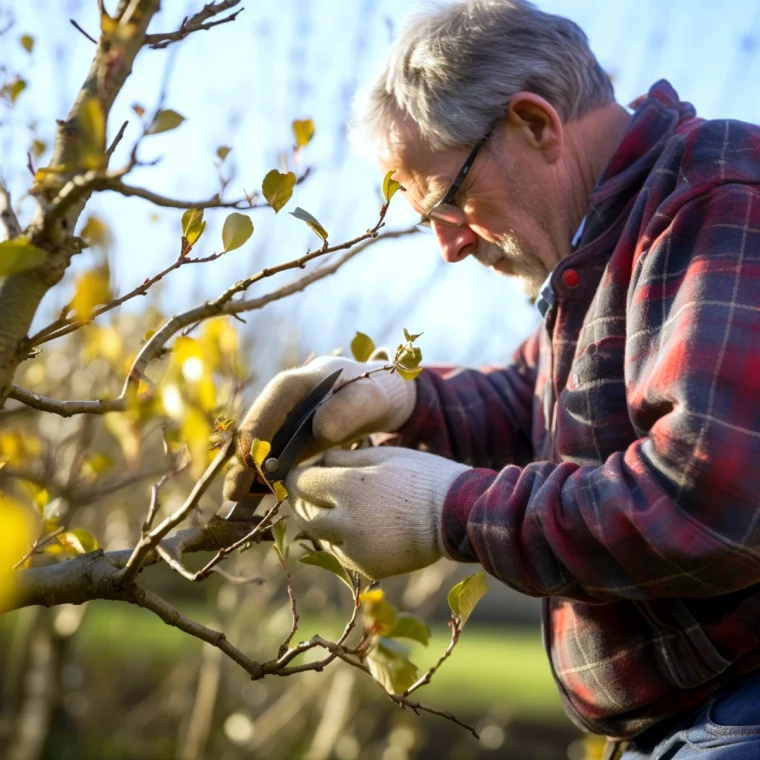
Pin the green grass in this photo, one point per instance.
(494, 667)
(491, 666)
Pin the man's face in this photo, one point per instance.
(507, 200)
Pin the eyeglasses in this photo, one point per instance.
(446, 211)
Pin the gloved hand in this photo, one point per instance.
(381, 403)
(378, 510)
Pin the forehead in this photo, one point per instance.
(424, 173)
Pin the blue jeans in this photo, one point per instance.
(727, 727)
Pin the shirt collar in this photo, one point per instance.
(546, 294)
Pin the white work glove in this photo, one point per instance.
(381, 403)
(378, 510)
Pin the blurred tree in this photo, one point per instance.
(138, 451)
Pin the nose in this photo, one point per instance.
(456, 243)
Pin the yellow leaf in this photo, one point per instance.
(362, 347)
(92, 134)
(164, 121)
(378, 613)
(41, 498)
(278, 188)
(15, 539)
(138, 109)
(260, 450)
(92, 289)
(27, 42)
(38, 147)
(280, 492)
(305, 216)
(196, 431)
(97, 232)
(126, 433)
(86, 540)
(19, 255)
(14, 89)
(303, 130)
(193, 225)
(390, 185)
(237, 229)
(107, 24)
(223, 151)
(97, 464)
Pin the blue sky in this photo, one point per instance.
(243, 83)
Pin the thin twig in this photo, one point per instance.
(116, 140)
(456, 630)
(195, 23)
(79, 28)
(293, 607)
(155, 488)
(149, 541)
(224, 305)
(38, 544)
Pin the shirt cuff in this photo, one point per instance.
(461, 497)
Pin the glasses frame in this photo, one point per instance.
(448, 199)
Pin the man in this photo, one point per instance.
(613, 468)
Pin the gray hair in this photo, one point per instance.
(454, 68)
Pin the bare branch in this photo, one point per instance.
(90, 576)
(116, 140)
(224, 305)
(195, 23)
(79, 29)
(159, 200)
(7, 215)
(150, 540)
(39, 543)
(456, 630)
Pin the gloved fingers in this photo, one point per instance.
(367, 457)
(348, 413)
(318, 522)
(264, 418)
(316, 485)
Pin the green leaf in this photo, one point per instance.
(278, 532)
(27, 42)
(87, 541)
(409, 626)
(237, 229)
(390, 667)
(92, 129)
(411, 338)
(362, 347)
(165, 121)
(378, 613)
(223, 151)
(328, 562)
(278, 188)
(193, 225)
(18, 255)
(390, 186)
(305, 216)
(466, 594)
(303, 130)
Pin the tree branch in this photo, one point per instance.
(21, 294)
(149, 541)
(195, 23)
(155, 345)
(7, 215)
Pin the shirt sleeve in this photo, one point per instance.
(676, 514)
(478, 417)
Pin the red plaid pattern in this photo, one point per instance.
(618, 458)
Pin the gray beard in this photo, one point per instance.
(516, 258)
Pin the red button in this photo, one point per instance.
(571, 278)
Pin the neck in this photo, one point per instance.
(591, 142)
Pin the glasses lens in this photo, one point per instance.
(447, 214)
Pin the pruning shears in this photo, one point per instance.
(288, 444)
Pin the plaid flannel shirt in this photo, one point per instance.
(617, 459)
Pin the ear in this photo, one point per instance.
(538, 122)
